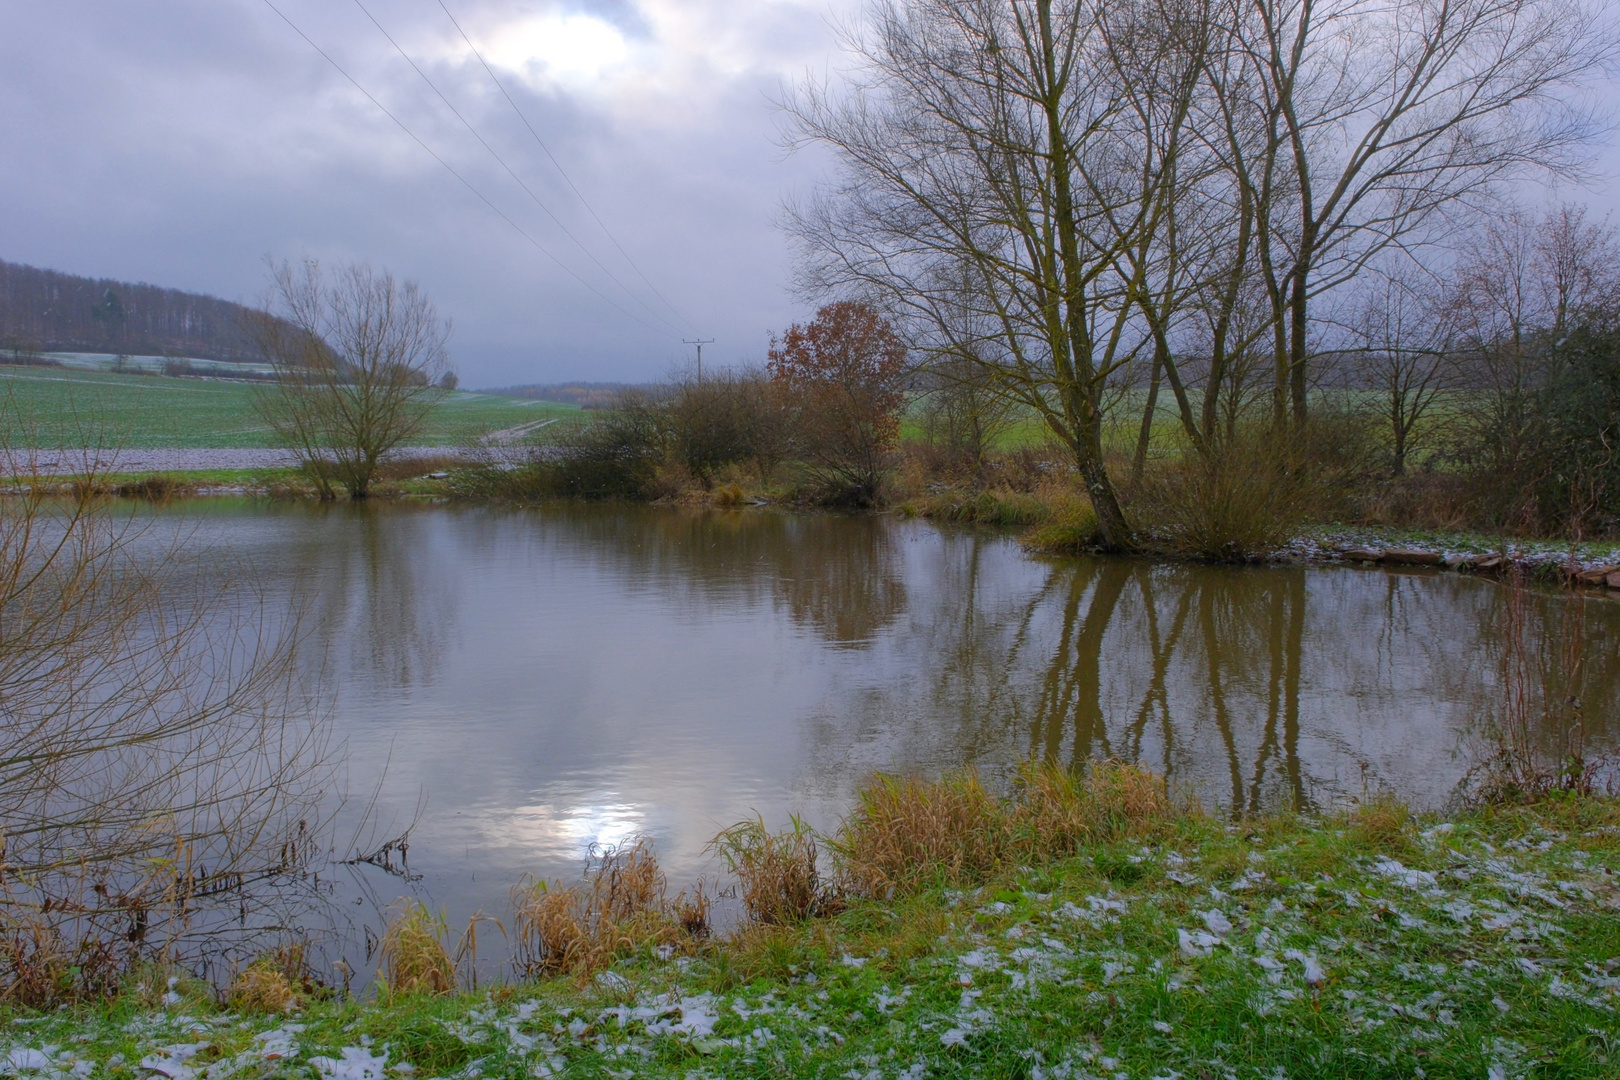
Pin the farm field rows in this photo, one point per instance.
(60, 407)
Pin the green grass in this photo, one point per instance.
(68, 407)
(1485, 945)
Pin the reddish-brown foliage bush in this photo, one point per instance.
(844, 372)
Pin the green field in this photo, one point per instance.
(61, 407)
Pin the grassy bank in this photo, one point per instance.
(1372, 944)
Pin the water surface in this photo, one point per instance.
(523, 683)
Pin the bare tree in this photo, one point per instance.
(1353, 127)
(963, 411)
(1520, 284)
(1407, 353)
(1000, 198)
(359, 360)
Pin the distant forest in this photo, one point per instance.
(47, 311)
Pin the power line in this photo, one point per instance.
(502, 161)
(451, 170)
(568, 179)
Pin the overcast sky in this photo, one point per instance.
(179, 142)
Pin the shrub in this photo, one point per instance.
(1579, 412)
(157, 488)
(727, 419)
(616, 455)
(962, 414)
(1252, 493)
(842, 375)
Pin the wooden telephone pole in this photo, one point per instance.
(699, 342)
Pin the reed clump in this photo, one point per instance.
(279, 981)
(620, 909)
(262, 987)
(906, 833)
(1057, 811)
(778, 872)
(415, 959)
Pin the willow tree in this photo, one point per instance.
(1001, 198)
(359, 361)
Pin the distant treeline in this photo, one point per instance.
(47, 311)
(587, 395)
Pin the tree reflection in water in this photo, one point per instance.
(1257, 686)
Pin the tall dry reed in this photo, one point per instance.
(415, 959)
(619, 909)
(906, 832)
(781, 882)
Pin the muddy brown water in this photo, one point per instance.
(522, 683)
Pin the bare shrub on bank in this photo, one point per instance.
(616, 455)
(728, 418)
(159, 765)
(963, 413)
(359, 361)
(1252, 494)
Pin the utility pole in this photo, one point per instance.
(699, 342)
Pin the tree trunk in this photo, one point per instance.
(1140, 464)
(1114, 530)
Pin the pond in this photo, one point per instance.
(516, 684)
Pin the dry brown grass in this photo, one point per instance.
(409, 468)
(1057, 811)
(263, 987)
(906, 832)
(691, 912)
(36, 971)
(781, 883)
(620, 909)
(415, 959)
(157, 488)
(1382, 821)
(550, 929)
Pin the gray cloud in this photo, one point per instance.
(180, 141)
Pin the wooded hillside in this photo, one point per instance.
(48, 311)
